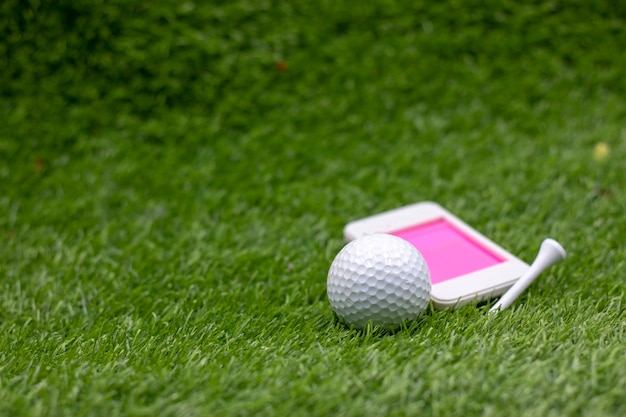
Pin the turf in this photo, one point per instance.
(175, 177)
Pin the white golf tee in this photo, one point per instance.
(550, 253)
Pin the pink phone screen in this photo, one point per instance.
(448, 251)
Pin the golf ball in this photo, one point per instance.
(379, 278)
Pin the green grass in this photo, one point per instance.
(171, 200)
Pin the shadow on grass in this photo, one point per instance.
(427, 319)
(425, 322)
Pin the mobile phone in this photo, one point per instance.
(464, 265)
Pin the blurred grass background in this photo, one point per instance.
(174, 178)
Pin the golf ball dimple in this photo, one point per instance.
(379, 278)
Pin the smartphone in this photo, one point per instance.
(465, 266)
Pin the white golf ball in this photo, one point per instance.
(379, 278)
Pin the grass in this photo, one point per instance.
(174, 178)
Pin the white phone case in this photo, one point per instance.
(453, 292)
